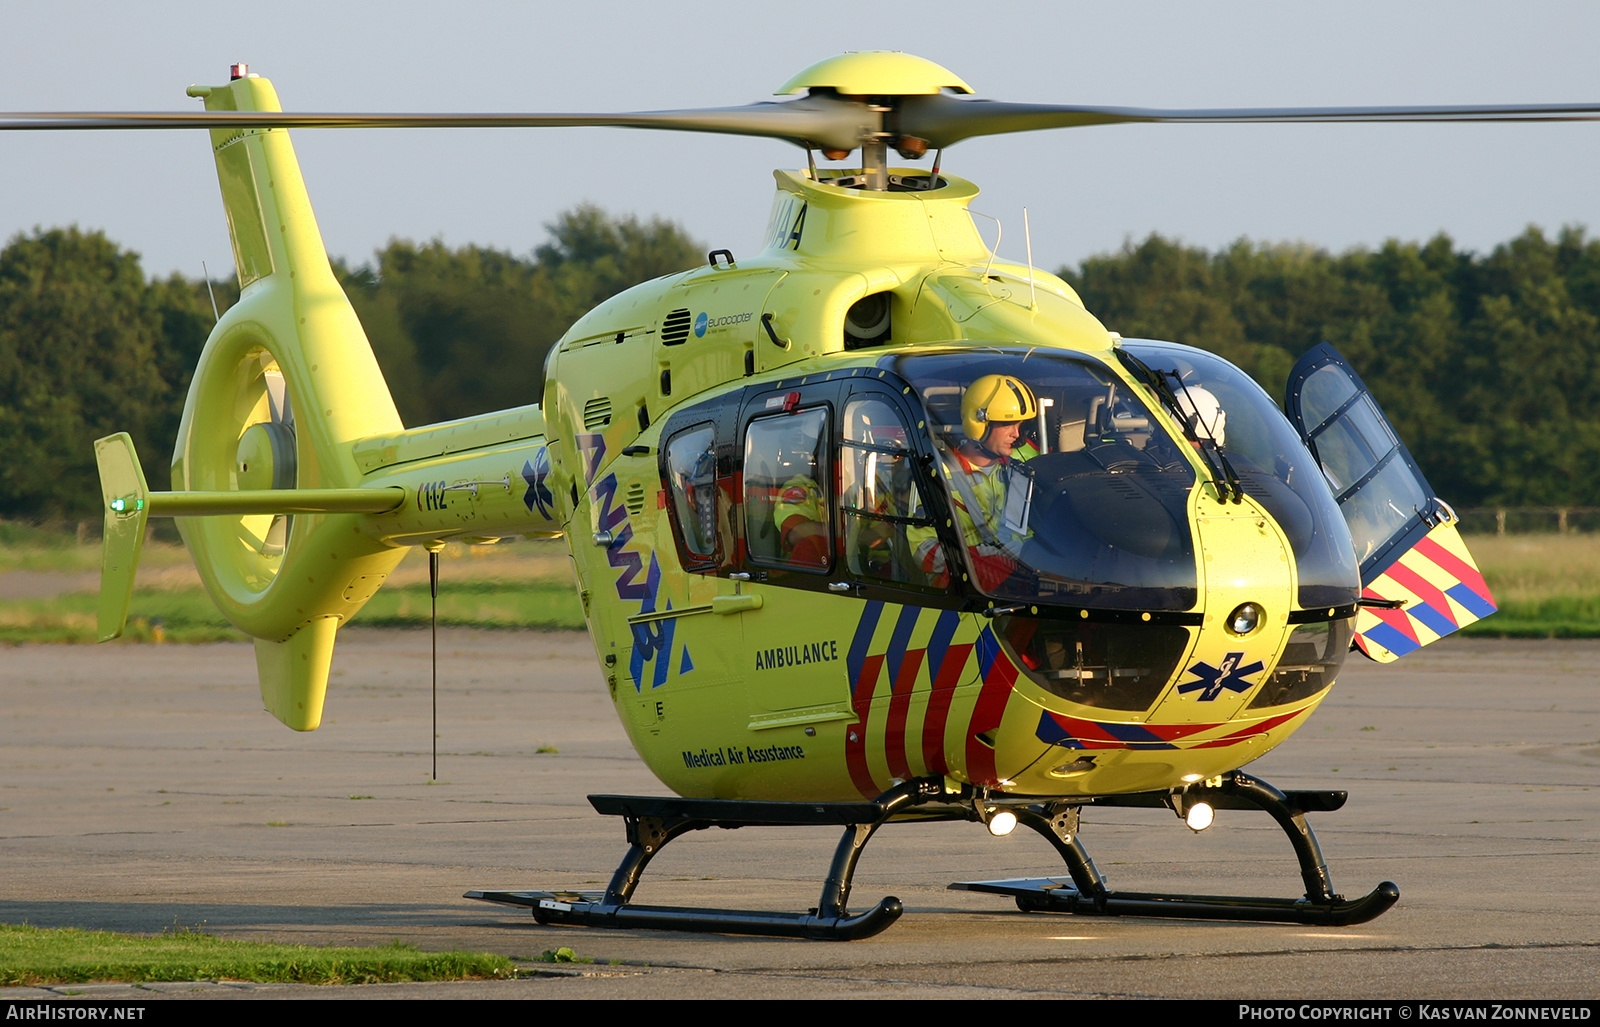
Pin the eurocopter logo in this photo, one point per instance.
(703, 322)
(1210, 681)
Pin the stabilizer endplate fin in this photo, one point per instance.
(127, 510)
(294, 673)
(1442, 592)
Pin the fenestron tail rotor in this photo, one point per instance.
(268, 458)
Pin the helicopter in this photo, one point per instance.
(767, 473)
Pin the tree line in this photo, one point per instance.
(88, 346)
(1488, 365)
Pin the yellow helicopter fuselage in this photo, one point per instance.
(741, 688)
(737, 676)
(734, 687)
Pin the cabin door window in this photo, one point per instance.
(879, 499)
(785, 505)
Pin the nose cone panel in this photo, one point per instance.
(1246, 559)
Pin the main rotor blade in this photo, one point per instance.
(817, 121)
(943, 120)
(821, 121)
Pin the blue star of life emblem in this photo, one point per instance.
(1210, 681)
(536, 472)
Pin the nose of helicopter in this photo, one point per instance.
(1246, 583)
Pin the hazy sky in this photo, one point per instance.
(1087, 190)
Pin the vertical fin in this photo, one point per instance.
(252, 195)
(290, 305)
(294, 673)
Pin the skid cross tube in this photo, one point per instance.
(652, 822)
(1086, 892)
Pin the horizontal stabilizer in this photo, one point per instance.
(275, 501)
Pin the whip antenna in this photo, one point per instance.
(433, 619)
(1027, 235)
(210, 292)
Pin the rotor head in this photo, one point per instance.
(882, 73)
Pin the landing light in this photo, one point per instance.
(1199, 816)
(1078, 766)
(1244, 618)
(1002, 823)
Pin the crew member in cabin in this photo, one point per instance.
(801, 515)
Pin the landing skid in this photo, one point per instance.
(1085, 891)
(652, 822)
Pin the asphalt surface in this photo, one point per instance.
(143, 789)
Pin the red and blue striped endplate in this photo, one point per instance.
(1442, 592)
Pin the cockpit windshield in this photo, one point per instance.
(1263, 454)
(1066, 488)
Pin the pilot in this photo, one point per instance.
(993, 410)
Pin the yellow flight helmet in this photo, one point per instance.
(995, 398)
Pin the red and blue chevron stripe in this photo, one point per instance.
(933, 672)
(1442, 592)
(1077, 733)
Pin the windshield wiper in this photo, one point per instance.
(1223, 478)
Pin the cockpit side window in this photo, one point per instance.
(880, 503)
(786, 471)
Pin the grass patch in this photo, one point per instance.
(28, 547)
(36, 956)
(187, 614)
(25, 547)
(1574, 617)
(1547, 586)
(488, 603)
(157, 615)
(510, 586)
